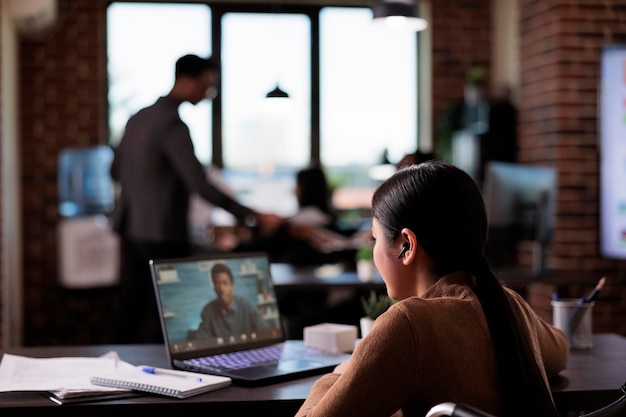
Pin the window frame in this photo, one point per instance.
(312, 11)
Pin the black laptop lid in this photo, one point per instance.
(184, 290)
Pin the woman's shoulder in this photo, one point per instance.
(422, 319)
(451, 305)
(441, 301)
(519, 303)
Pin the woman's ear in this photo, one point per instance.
(409, 246)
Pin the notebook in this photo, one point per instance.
(179, 384)
(247, 343)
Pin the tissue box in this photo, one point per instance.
(331, 337)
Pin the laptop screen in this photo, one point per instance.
(215, 304)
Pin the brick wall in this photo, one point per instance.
(560, 61)
(63, 93)
(461, 41)
(560, 58)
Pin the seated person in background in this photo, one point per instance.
(313, 195)
(306, 239)
(295, 241)
(416, 157)
(228, 315)
(455, 333)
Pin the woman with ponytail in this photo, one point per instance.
(455, 333)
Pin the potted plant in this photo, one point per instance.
(374, 306)
(365, 263)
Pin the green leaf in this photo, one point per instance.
(376, 304)
(365, 253)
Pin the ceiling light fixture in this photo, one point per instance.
(399, 14)
(277, 93)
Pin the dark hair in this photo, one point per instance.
(221, 268)
(193, 65)
(313, 189)
(416, 157)
(443, 206)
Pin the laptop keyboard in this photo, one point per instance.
(244, 359)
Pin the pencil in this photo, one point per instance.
(594, 293)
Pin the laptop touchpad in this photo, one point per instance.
(296, 364)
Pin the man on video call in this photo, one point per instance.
(228, 315)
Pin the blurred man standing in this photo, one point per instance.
(157, 169)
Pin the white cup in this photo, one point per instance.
(365, 270)
(574, 318)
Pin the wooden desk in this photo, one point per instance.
(302, 278)
(593, 376)
(591, 380)
(288, 277)
(343, 290)
(560, 279)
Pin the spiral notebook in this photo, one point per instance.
(179, 384)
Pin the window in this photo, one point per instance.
(265, 140)
(141, 62)
(359, 104)
(259, 52)
(368, 99)
(368, 89)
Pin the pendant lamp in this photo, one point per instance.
(399, 14)
(277, 92)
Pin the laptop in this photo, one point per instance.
(202, 336)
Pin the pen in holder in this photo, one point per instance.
(574, 317)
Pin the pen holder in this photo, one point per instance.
(574, 318)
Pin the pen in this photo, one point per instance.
(577, 315)
(170, 372)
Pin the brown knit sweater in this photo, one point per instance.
(428, 350)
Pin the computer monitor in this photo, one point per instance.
(612, 111)
(520, 202)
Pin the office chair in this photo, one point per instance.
(616, 409)
(456, 410)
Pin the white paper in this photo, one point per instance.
(64, 376)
